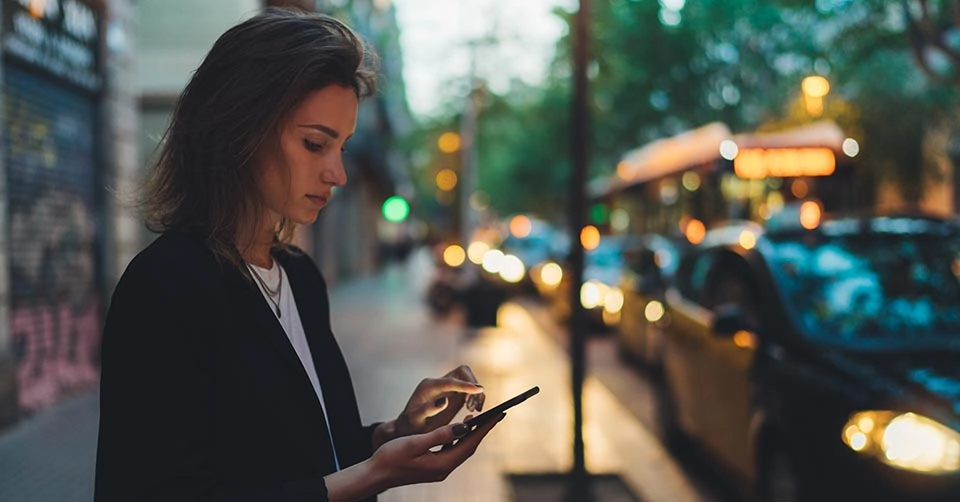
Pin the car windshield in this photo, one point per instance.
(872, 287)
(607, 254)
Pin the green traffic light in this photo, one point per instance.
(395, 209)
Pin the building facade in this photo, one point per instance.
(69, 122)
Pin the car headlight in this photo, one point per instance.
(592, 294)
(613, 300)
(551, 274)
(904, 440)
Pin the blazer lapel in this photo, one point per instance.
(314, 316)
(248, 298)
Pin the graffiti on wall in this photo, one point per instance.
(55, 306)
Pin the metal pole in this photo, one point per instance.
(468, 160)
(580, 128)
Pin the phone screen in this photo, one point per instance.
(495, 412)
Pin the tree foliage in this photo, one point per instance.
(657, 71)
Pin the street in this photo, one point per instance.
(391, 342)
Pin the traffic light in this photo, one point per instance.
(395, 209)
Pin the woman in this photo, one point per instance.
(221, 379)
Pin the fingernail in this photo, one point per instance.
(440, 402)
(460, 429)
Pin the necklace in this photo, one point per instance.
(271, 292)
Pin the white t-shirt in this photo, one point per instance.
(290, 321)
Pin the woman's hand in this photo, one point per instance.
(420, 458)
(433, 404)
(416, 459)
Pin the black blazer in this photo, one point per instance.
(202, 396)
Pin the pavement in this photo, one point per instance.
(391, 342)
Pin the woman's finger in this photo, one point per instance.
(438, 386)
(475, 402)
(463, 372)
(440, 436)
(467, 445)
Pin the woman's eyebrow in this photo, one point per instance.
(324, 129)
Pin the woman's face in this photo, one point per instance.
(297, 178)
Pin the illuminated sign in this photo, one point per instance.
(59, 36)
(759, 163)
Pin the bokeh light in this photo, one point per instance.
(446, 180)
(449, 142)
(520, 226)
(454, 255)
(590, 237)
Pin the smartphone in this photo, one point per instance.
(495, 412)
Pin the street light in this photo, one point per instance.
(815, 88)
(449, 142)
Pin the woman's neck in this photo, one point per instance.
(259, 256)
(258, 253)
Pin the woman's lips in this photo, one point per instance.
(318, 199)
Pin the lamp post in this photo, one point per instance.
(580, 152)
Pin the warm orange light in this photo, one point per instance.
(695, 231)
(520, 226)
(744, 339)
(758, 163)
(747, 239)
(623, 170)
(446, 180)
(449, 142)
(815, 86)
(810, 215)
(454, 255)
(590, 237)
(37, 7)
(799, 189)
(749, 164)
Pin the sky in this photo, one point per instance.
(435, 36)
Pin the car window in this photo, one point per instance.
(871, 288)
(691, 277)
(730, 282)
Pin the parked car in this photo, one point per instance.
(649, 266)
(822, 364)
(600, 293)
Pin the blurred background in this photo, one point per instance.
(772, 256)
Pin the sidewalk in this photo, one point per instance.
(50, 457)
(390, 350)
(391, 343)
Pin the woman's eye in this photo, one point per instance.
(313, 147)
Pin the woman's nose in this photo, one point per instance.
(336, 174)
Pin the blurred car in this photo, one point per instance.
(822, 364)
(547, 274)
(649, 266)
(526, 243)
(600, 293)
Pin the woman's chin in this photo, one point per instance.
(306, 218)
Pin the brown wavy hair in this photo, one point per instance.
(204, 179)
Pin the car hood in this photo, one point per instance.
(925, 382)
(607, 275)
